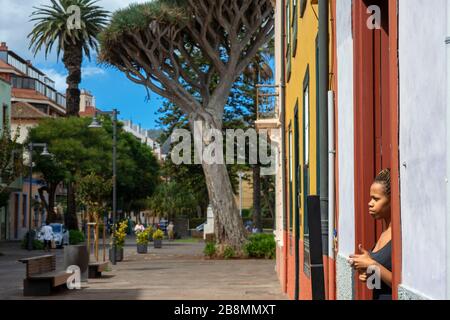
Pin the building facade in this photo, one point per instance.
(387, 106)
(33, 98)
(144, 136)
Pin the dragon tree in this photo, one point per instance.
(191, 52)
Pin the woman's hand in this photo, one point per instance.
(361, 261)
(363, 277)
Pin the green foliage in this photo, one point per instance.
(246, 213)
(93, 192)
(52, 27)
(142, 237)
(210, 249)
(121, 233)
(139, 16)
(37, 245)
(11, 162)
(261, 246)
(158, 235)
(79, 151)
(229, 252)
(75, 237)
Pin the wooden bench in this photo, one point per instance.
(41, 276)
(96, 269)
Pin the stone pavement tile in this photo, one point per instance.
(178, 271)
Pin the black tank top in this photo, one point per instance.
(383, 257)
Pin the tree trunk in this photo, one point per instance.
(257, 197)
(229, 228)
(71, 214)
(52, 216)
(72, 59)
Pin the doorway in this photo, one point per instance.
(373, 151)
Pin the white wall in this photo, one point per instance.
(344, 118)
(276, 136)
(24, 129)
(423, 144)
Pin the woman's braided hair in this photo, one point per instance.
(384, 178)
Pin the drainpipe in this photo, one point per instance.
(323, 119)
(447, 41)
(331, 180)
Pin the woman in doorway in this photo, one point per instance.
(380, 258)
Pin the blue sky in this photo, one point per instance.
(110, 87)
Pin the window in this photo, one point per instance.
(17, 64)
(24, 210)
(294, 27)
(288, 39)
(306, 128)
(5, 116)
(291, 209)
(302, 7)
(306, 145)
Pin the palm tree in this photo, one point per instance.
(55, 26)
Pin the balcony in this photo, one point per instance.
(38, 86)
(267, 116)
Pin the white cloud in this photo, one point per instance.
(60, 78)
(92, 71)
(15, 24)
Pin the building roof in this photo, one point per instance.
(34, 96)
(28, 94)
(23, 110)
(88, 112)
(8, 68)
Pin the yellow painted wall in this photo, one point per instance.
(302, 58)
(247, 192)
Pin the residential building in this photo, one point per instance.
(33, 98)
(144, 136)
(87, 104)
(33, 93)
(386, 97)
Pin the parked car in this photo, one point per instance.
(163, 223)
(60, 235)
(200, 227)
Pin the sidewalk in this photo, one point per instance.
(178, 271)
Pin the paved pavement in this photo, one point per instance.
(178, 271)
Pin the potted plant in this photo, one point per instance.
(142, 239)
(119, 235)
(158, 235)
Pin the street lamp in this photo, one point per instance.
(44, 153)
(96, 125)
(240, 175)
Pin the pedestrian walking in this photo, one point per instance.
(47, 232)
(139, 228)
(170, 230)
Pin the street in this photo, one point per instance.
(178, 271)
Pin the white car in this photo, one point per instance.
(60, 234)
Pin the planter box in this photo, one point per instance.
(142, 248)
(77, 255)
(119, 254)
(157, 244)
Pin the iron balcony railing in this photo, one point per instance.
(42, 88)
(267, 102)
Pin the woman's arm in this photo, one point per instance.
(362, 261)
(386, 275)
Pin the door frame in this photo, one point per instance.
(365, 138)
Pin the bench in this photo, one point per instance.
(96, 269)
(41, 276)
